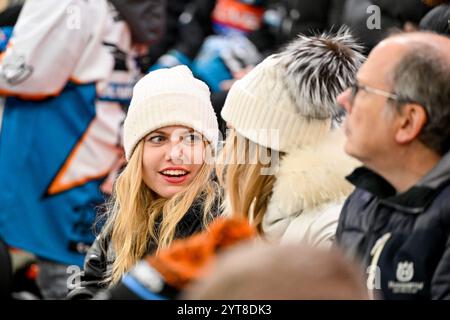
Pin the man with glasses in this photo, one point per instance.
(397, 221)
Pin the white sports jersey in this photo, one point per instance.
(43, 54)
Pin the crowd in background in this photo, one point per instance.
(106, 106)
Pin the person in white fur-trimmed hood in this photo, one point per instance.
(283, 165)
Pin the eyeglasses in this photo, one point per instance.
(356, 87)
(389, 95)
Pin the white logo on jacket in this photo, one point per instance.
(404, 274)
(405, 271)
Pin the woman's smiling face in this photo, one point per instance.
(172, 158)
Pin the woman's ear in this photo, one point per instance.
(413, 118)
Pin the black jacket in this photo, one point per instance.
(100, 257)
(403, 239)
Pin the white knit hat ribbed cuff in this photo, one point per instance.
(152, 114)
(250, 117)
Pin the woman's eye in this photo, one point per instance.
(156, 139)
(192, 138)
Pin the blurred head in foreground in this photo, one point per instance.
(288, 272)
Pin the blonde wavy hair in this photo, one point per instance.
(239, 170)
(134, 209)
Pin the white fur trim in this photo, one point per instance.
(308, 178)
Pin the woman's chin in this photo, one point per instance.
(169, 191)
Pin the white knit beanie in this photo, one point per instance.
(169, 97)
(293, 93)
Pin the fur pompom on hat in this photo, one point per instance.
(293, 93)
(169, 97)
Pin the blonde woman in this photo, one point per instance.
(283, 166)
(165, 191)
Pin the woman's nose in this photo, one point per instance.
(175, 152)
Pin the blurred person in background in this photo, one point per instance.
(9, 12)
(373, 20)
(172, 34)
(438, 19)
(63, 84)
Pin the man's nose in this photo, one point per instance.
(344, 100)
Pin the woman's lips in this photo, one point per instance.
(175, 180)
(174, 175)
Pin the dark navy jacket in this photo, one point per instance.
(402, 239)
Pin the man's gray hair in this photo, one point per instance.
(423, 76)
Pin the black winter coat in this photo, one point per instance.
(100, 256)
(403, 239)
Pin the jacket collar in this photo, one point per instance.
(415, 199)
(439, 175)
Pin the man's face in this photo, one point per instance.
(370, 124)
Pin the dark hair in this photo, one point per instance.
(437, 20)
(423, 76)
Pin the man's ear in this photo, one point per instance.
(413, 118)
